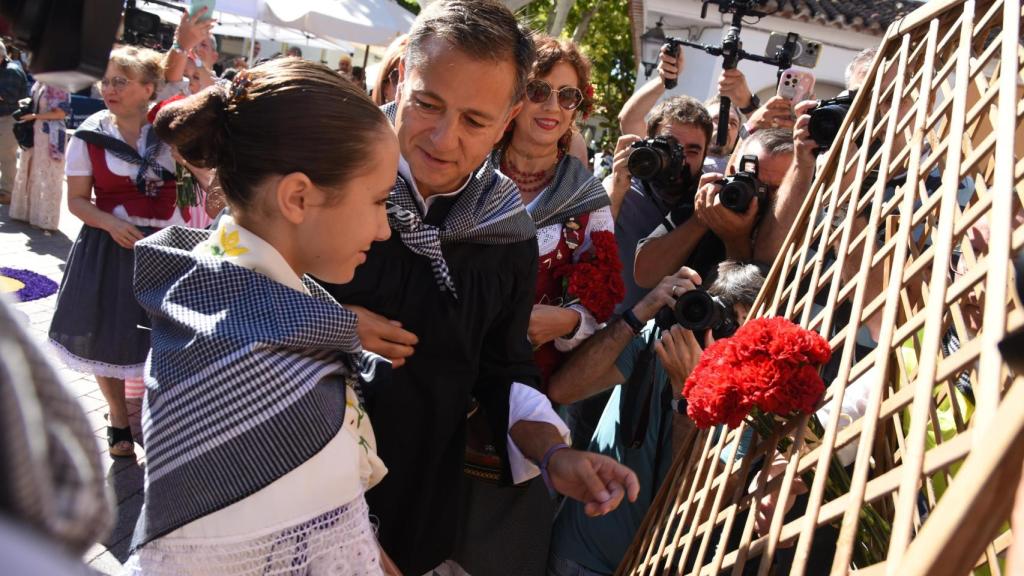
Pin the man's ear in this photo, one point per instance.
(512, 113)
(294, 195)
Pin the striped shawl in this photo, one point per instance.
(244, 383)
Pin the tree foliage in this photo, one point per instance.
(604, 37)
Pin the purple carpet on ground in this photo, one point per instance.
(36, 285)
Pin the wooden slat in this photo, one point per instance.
(928, 462)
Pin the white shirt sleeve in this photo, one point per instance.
(76, 158)
(529, 404)
(586, 328)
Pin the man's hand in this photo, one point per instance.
(733, 84)
(777, 112)
(385, 337)
(596, 480)
(805, 146)
(679, 353)
(550, 322)
(731, 227)
(665, 293)
(669, 66)
(620, 165)
(193, 29)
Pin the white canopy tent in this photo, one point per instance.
(374, 22)
(237, 26)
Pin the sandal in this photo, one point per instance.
(117, 436)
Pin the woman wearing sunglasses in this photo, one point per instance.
(578, 285)
(121, 184)
(578, 282)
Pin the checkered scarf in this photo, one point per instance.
(488, 211)
(149, 171)
(573, 192)
(244, 383)
(52, 479)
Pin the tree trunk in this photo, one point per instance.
(584, 26)
(562, 8)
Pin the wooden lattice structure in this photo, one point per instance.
(891, 236)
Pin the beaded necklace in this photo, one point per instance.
(530, 183)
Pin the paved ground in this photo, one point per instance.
(22, 246)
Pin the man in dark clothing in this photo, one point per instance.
(13, 87)
(454, 283)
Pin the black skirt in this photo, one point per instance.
(98, 327)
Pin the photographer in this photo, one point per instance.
(639, 206)
(797, 182)
(716, 232)
(642, 425)
(631, 118)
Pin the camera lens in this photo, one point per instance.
(695, 310)
(645, 162)
(736, 195)
(825, 123)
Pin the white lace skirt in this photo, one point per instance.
(337, 543)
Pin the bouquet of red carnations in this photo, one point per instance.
(769, 363)
(768, 369)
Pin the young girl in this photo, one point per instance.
(258, 451)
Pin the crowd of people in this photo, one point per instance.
(405, 330)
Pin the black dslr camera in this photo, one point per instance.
(743, 186)
(658, 160)
(828, 117)
(698, 311)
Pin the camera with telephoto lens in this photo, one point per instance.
(743, 186)
(698, 311)
(658, 160)
(828, 117)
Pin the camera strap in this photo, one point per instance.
(662, 209)
(640, 384)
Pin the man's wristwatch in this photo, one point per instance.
(632, 321)
(755, 103)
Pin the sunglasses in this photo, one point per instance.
(569, 98)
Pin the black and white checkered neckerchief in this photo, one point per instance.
(488, 210)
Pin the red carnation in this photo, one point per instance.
(769, 363)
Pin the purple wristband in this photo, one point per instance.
(544, 466)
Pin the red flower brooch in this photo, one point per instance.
(769, 363)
